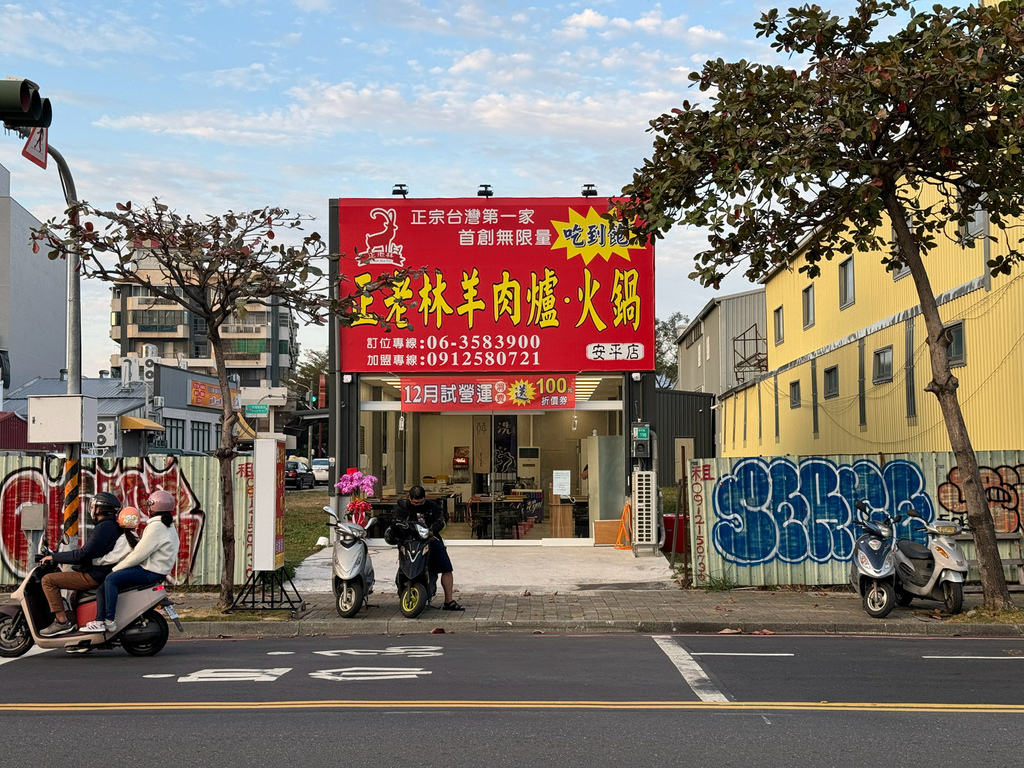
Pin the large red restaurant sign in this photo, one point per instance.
(511, 285)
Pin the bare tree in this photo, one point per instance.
(214, 267)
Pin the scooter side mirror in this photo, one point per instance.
(370, 523)
(330, 512)
(913, 513)
(898, 519)
(861, 506)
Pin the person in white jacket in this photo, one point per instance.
(149, 563)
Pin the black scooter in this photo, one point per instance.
(416, 585)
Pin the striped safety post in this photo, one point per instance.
(72, 501)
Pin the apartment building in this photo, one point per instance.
(260, 347)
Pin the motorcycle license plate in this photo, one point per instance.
(171, 613)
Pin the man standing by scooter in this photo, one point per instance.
(419, 509)
(101, 541)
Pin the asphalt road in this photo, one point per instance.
(510, 700)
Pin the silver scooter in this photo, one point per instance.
(933, 572)
(873, 567)
(353, 569)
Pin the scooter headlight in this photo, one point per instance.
(422, 531)
(863, 560)
(947, 530)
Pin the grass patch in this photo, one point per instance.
(669, 499)
(984, 616)
(719, 584)
(304, 522)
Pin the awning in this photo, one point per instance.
(243, 431)
(137, 422)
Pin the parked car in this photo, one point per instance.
(297, 474)
(322, 470)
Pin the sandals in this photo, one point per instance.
(453, 606)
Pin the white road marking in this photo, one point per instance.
(742, 654)
(413, 651)
(35, 650)
(157, 677)
(369, 673)
(988, 658)
(280, 653)
(691, 671)
(235, 675)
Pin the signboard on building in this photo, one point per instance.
(511, 284)
(207, 395)
(447, 392)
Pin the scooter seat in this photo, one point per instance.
(913, 550)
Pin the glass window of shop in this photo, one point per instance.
(494, 471)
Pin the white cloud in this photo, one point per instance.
(252, 78)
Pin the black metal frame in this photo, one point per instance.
(277, 600)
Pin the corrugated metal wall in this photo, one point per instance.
(195, 482)
(681, 414)
(788, 520)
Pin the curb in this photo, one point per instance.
(401, 626)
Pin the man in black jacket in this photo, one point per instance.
(101, 541)
(419, 509)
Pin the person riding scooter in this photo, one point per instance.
(90, 559)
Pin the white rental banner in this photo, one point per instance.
(268, 505)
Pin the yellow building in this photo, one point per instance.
(848, 359)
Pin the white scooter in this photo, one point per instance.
(353, 569)
(934, 572)
(141, 629)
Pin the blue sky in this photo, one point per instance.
(225, 104)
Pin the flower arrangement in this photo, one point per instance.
(357, 485)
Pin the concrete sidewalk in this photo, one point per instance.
(583, 590)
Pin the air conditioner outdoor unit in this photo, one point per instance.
(645, 500)
(158, 402)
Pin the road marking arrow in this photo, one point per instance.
(350, 674)
(413, 651)
(235, 675)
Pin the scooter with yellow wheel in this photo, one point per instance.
(415, 585)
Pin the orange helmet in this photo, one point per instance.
(128, 518)
(161, 501)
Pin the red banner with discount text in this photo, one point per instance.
(446, 392)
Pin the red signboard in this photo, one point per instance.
(511, 284)
(446, 392)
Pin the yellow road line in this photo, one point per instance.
(807, 706)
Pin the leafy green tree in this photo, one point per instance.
(666, 362)
(214, 268)
(919, 125)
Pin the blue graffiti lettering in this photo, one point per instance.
(777, 510)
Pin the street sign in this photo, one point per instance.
(35, 147)
(258, 409)
(642, 433)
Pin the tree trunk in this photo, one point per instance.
(225, 453)
(944, 385)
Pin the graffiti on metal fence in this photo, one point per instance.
(1003, 486)
(770, 510)
(131, 484)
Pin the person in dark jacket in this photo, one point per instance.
(101, 541)
(419, 509)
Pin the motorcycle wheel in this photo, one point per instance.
(903, 598)
(149, 646)
(350, 599)
(15, 639)
(413, 600)
(879, 600)
(953, 596)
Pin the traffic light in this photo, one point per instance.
(312, 398)
(21, 106)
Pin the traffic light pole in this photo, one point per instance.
(73, 459)
(22, 109)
